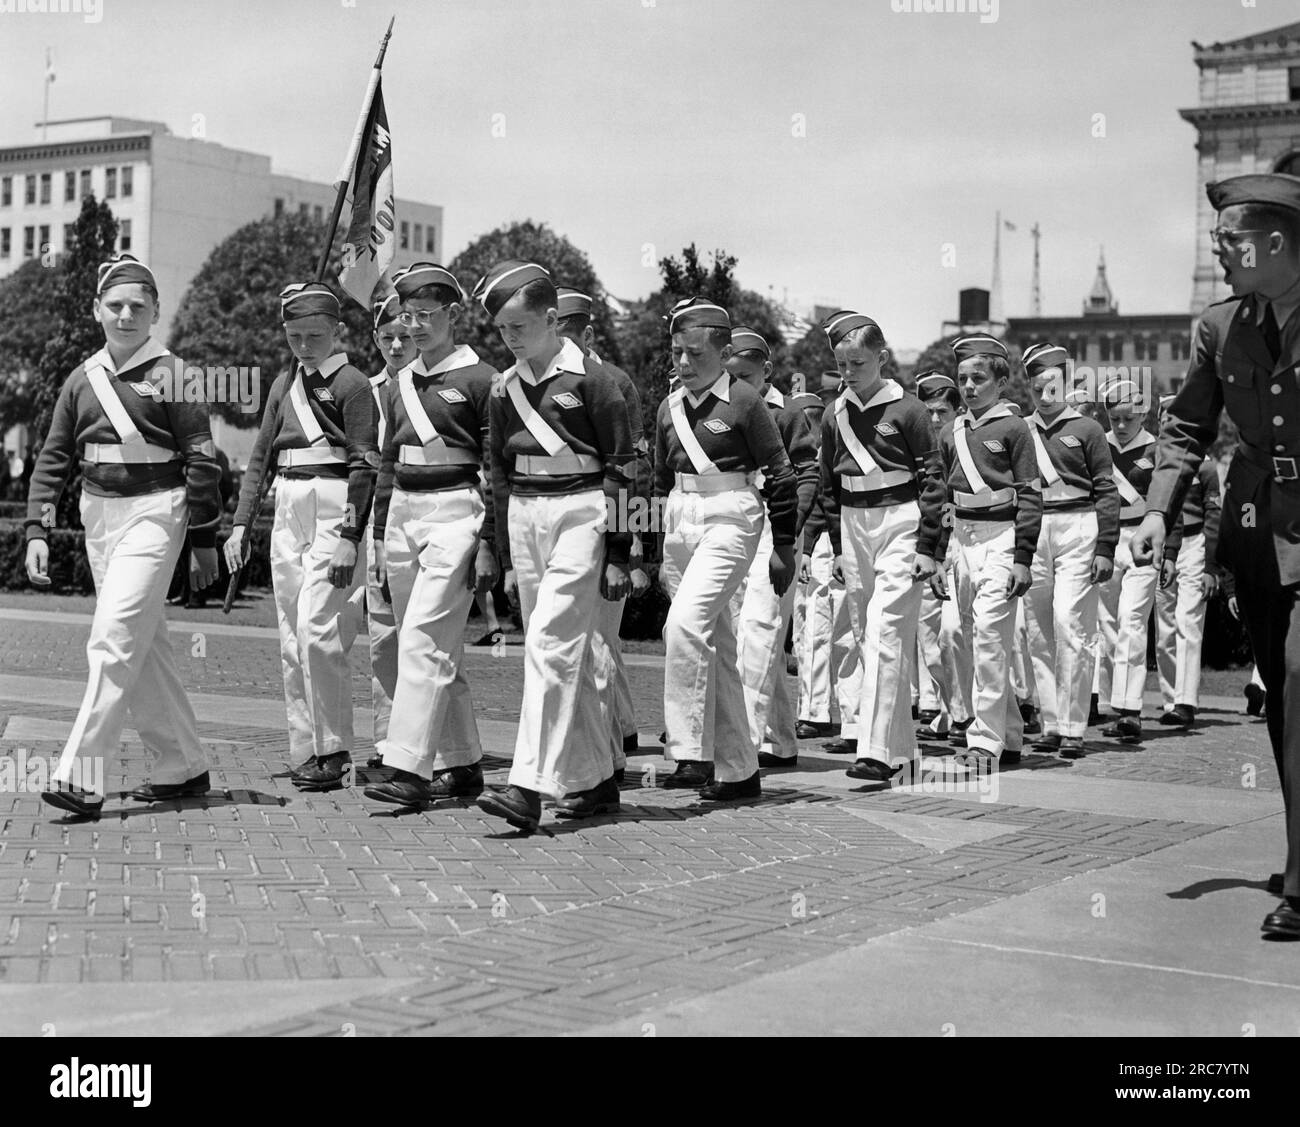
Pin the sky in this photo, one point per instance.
(845, 153)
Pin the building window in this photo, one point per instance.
(7, 192)
(29, 242)
(302, 209)
(406, 235)
(45, 187)
(69, 186)
(279, 206)
(419, 235)
(85, 182)
(29, 196)
(1181, 348)
(44, 238)
(429, 239)
(6, 247)
(69, 235)
(128, 181)
(318, 213)
(124, 235)
(1295, 84)
(110, 183)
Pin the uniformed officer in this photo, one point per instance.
(1076, 549)
(561, 445)
(711, 436)
(993, 485)
(149, 472)
(882, 490)
(319, 436)
(435, 540)
(762, 616)
(1246, 358)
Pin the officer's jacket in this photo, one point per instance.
(166, 408)
(797, 437)
(1081, 459)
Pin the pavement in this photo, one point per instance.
(1121, 893)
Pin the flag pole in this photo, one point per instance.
(354, 151)
(45, 117)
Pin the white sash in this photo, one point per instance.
(686, 436)
(127, 432)
(1127, 493)
(379, 403)
(424, 428)
(537, 426)
(307, 420)
(973, 477)
(1046, 470)
(866, 463)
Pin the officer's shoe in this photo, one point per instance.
(632, 744)
(74, 800)
(325, 773)
(1283, 922)
(811, 730)
(767, 759)
(1255, 697)
(733, 792)
(404, 789)
(1180, 716)
(841, 746)
(160, 792)
(521, 808)
(872, 770)
(689, 773)
(603, 798)
(458, 782)
(1127, 729)
(1048, 741)
(1071, 747)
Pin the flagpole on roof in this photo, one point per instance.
(49, 78)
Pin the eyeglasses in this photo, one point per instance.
(411, 318)
(1225, 237)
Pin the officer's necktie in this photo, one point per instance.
(1272, 334)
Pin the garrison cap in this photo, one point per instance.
(307, 299)
(572, 303)
(422, 274)
(930, 384)
(697, 313)
(122, 269)
(838, 325)
(1275, 189)
(1041, 357)
(504, 280)
(979, 344)
(385, 310)
(744, 340)
(1121, 391)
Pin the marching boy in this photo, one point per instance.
(763, 617)
(318, 436)
(997, 508)
(882, 491)
(561, 443)
(1076, 550)
(434, 542)
(711, 436)
(149, 472)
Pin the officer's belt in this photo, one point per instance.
(556, 465)
(127, 454)
(1282, 469)
(1063, 491)
(985, 499)
(874, 482)
(437, 454)
(712, 482)
(311, 456)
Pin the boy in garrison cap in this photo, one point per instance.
(711, 437)
(882, 489)
(613, 692)
(149, 472)
(318, 436)
(561, 444)
(434, 542)
(997, 511)
(394, 344)
(763, 616)
(1076, 550)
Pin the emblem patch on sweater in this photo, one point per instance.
(323, 394)
(995, 445)
(1070, 440)
(886, 428)
(1145, 464)
(716, 426)
(566, 399)
(451, 395)
(145, 390)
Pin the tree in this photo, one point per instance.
(530, 242)
(28, 296)
(230, 316)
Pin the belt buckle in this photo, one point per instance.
(1285, 475)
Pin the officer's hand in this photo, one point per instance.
(780, 568)
(1232, 608)
(1017, 581)
(640, 582)
(1209, 585)
(805, 568)
(614, 583)
(38, 563)
(381, 566)
(1102, 569)
(203, 568)
(837, 569)
(1168, 570)
(923, 568)
(939, 585)
(343, 563)
(235, 548)
(1149, 540)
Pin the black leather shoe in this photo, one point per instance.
(74, 800)
(766, 759)
(1255, 698)
(1094, 711)
(631, 744)
(1029, 717)
(521, 808)
(872, 770)
(1180, 716)
(811, 730)
(1275, 883)
(1071, 747)
(404, 789)
(619, 773)
(689, 773)
(457, 782)
(731, 792)
(927, 733)
(160, 792)
(916, 712)
(1283, 922)
(663, 737)
(489, 639)
(973, 760)
(1049, 741)
(603, 798)
(1126, 729)
(927, 716)
(957, 737)
(841, 746)
(325, 773)
(375, 762)
(1009, 758)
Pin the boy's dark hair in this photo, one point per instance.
(443, 295)
(867, 336)
(719, 338)
(576, 323)
(997, 366)
(950, 395)
(539, 295)
(755, 354)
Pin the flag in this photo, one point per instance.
(49, 65)
(1009, 225)
(371, 236)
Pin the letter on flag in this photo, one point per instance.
(371, 237)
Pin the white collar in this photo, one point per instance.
(461, 357)
(380, 378)
(569, 359)
(889, 393)
(999, 410)
(1142, 437)
(1067, 413)
(150, 350)
(328, 366)
(774, 397)
(721, 387)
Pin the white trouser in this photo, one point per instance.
(879, 545)
(825, 646)
(1061, 613)
(557, 546)
(761, 622)
(927, 669)
(1180, 627)
(1126, 601)
(132, 544)
(983, 555)
(613, 692)
(382, 628)
(317, 626)
(430, 544)
(1022, 668)
(710, 540)
(1255, 678)
(947, 658)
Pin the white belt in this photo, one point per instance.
(556, 465)
(122, 454)
(437, 454)
(311, 456)
(1132, 512)
(874, 482)
(712, 482)
(1062, 491)
(985, 499)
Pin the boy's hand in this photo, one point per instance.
(1232, 608)
(837, 569)
(805, 568)
(1149, 540)
(381, 566)
(203, 568)
(1017, 581)
(486, 570)
(510, 585)
(939, 585)
(235, 548)
(613, 584)
(38, 563)
(923, 568)
(1102, 569)
(342, 563)
(1209, 586)
(1168, 570)
(780, 568)
(640, 582)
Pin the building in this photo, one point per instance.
(1248, 120)
(175, 198)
